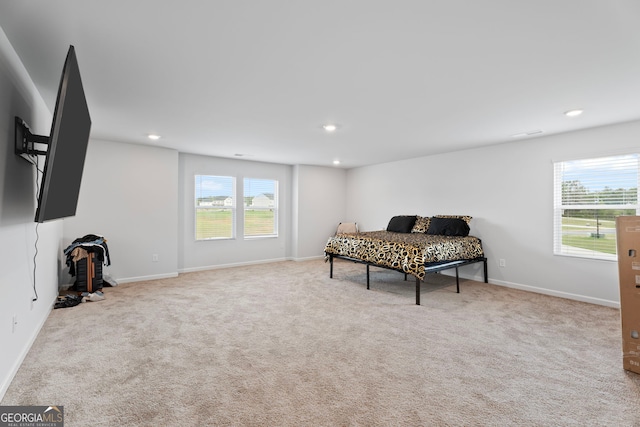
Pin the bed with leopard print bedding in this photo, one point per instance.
(413, 245)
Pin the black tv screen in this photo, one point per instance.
(67, 147)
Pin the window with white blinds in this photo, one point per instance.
(588, 196)
(260, 207)
(215, 207)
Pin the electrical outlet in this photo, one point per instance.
(154, 257)
(502, 262)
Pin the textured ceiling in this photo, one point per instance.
(401, 78)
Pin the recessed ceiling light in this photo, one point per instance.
(154, 136)
(573, 113)
(330, 128)
(336, 162)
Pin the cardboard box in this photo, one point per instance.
(628, 241)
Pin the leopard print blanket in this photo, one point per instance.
(406, 252)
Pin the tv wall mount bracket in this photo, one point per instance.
(25, 141)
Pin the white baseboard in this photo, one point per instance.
(143, 278)
(576, 297)
(212, 267)
(309, 258)
(235, 264)
(535, 289)
(18, 362)
(476, 277)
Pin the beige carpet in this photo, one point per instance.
(283, 345)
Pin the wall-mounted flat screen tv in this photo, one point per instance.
(66, 146)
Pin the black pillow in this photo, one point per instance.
(401, 223)
(448, 227)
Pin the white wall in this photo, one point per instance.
(320, 204)
(508, 189)
(141, 199)
(198, 255)
(129, 195)
(18, 97)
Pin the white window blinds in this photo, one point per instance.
(588, 195)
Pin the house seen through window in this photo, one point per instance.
(215, 207)
(260, 207)
(588, 196)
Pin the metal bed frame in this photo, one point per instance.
(430, 267)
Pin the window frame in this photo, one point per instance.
(560, 205)
(275, 208)
(232, 208)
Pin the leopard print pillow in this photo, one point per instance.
(421, 225)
